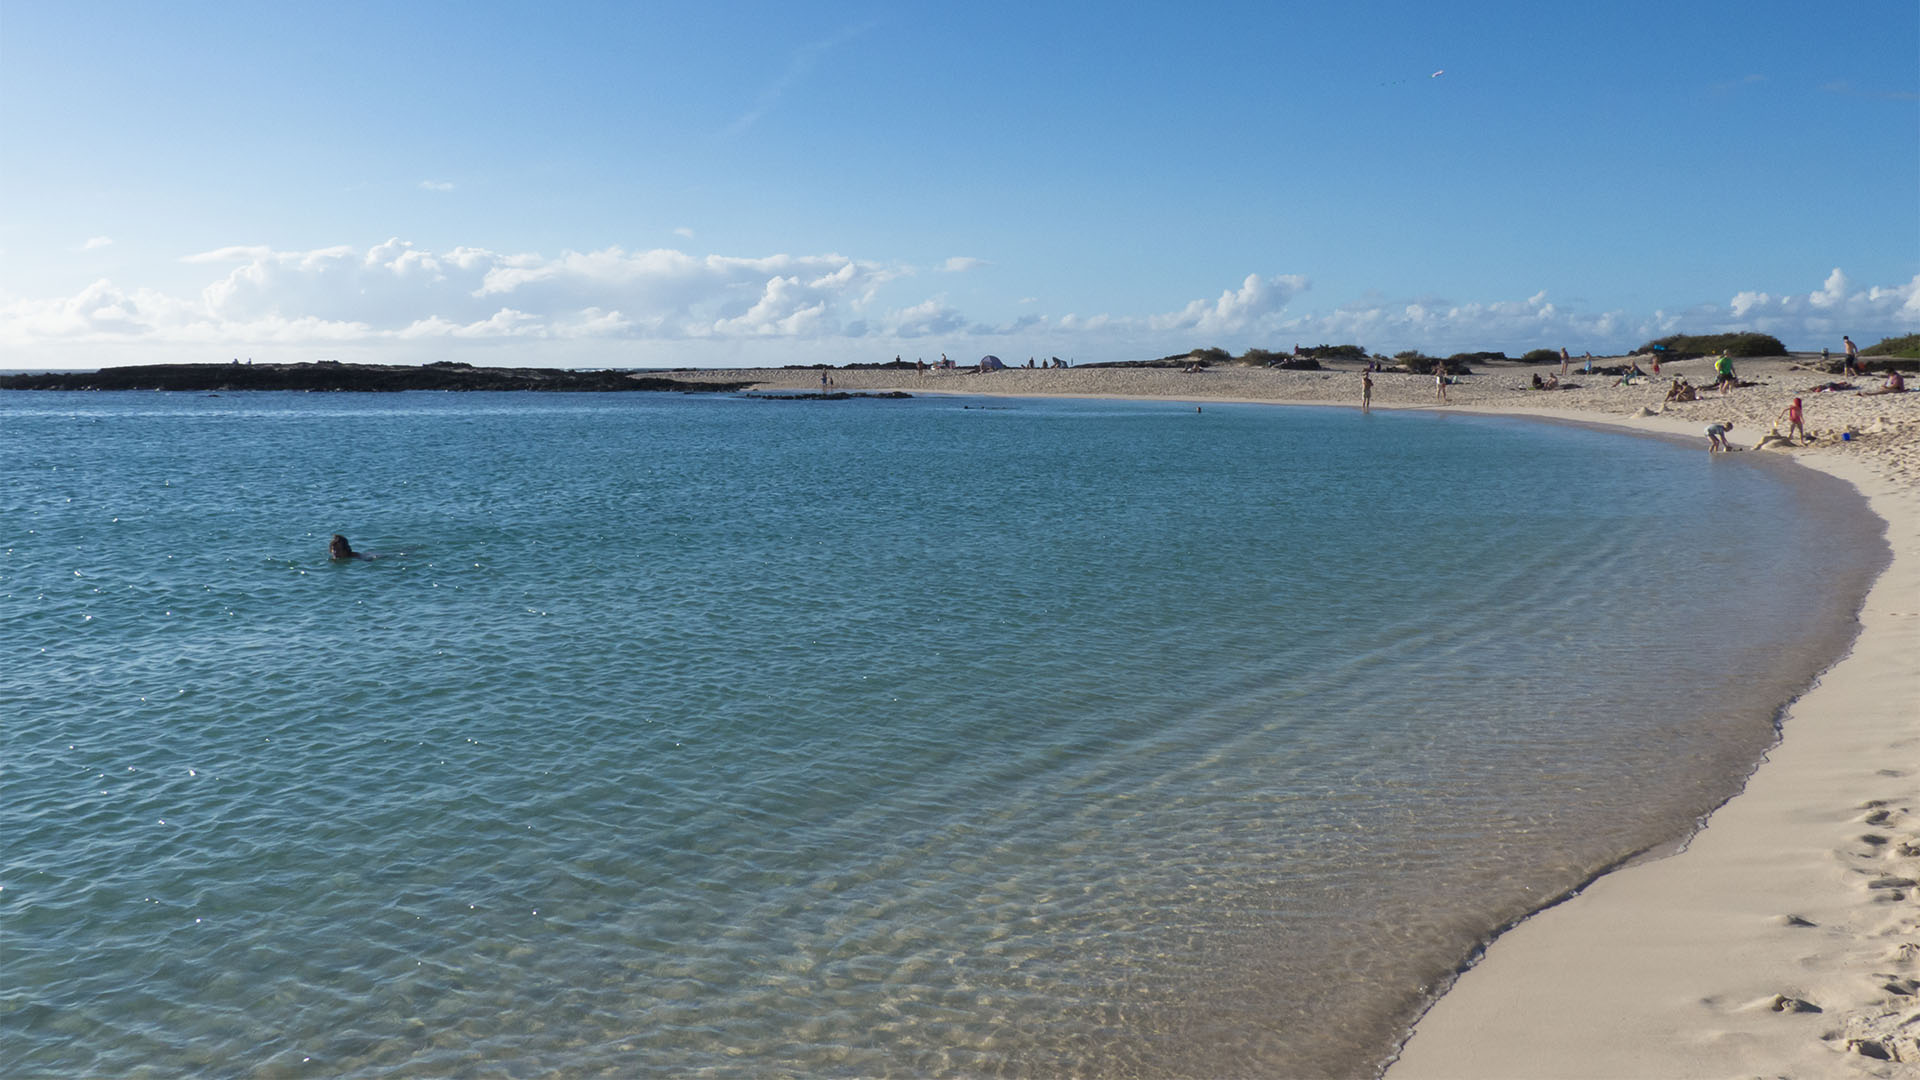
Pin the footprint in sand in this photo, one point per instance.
(1781, 1003)
(1870, 1048)
(1896, 984)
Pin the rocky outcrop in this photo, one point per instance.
(332, 375)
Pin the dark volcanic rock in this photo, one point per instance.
(331, 375)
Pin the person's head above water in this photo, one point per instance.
(338, 548)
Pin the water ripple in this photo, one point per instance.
(673, 739)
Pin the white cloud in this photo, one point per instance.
(95, 243)
(397, 302)
(1255, 304)
(962, 263)
(1836, 308)
(684, 232)
(436, 185)
(926, 319)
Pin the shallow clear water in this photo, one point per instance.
(684, 736)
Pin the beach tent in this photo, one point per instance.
(991, 363)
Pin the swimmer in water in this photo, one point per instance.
(338, 548)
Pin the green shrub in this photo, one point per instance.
(1421, 364)
(1908, 346)
(1459, 361)
(1687, 346)
(1541, 356)
(1336, 352)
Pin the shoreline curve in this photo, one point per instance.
(1783, 938)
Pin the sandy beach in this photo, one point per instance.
(1784, 940)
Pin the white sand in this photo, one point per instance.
(1800, 894)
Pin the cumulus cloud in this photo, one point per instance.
(1827, 311)
(929, 318)
(95, 243)
(1258, 301)
(395, 291)
(588, 307)
(961, 263)
(1798, 319)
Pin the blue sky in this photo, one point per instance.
(718, 184)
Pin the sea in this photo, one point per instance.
(722, 736)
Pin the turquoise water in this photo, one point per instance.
(691, 735)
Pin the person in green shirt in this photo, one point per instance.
(1723, 368)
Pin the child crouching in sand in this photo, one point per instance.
(1717, 437)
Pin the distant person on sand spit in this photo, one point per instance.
(1440, 382)
(1366, 392)
(1717, 437)
(1565, 360)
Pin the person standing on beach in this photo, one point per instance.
(1440, 381)
(1366, 392)
(1796, 422)
(1853, 357)
(1565, 359)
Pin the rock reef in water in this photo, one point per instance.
(332, 375)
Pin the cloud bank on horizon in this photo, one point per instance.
(613, 307)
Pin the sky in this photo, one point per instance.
(729, 184)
